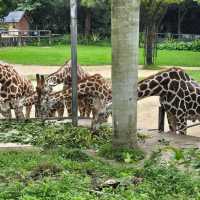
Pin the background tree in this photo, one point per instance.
(183, 8)
(6, 6)
(88, 6)
(125, 39)
(152, 13)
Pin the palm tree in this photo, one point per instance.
(125, 39)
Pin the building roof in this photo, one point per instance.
(14, 16)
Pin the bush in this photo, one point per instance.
(50, 135)
(180, 45)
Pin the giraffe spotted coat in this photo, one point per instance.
(179, 94)
(94, 89)
(13, 88)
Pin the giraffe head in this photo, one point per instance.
(58, 77)
(42, 92)
(64, 72)
(103, 111)
(50, 101)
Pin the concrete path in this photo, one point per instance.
(14, 146)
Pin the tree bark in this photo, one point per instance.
(87, 21)
(125, 40)
(150, 44)
(179, 22)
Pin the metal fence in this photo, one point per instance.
(178, 37)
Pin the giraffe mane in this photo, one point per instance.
(160, 72)
(63, 66)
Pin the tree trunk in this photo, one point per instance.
(87, 21)
(179, 22)
(150, 46)
(125, 40)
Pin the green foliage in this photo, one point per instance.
(51, 135)
(66, 171)
(122, 155)
(56, 175)
(176, 45)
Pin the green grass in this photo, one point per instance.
(194, 74)
(56, 55)
(63, 170)
(90, 55)
(50, 175)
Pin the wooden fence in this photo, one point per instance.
(24, 37)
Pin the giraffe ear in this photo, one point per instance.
(38, 79)
(42, 80)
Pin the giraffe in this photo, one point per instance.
(179, 94)
(13, 87)
(56, 100)
(64, 72)
(32, 99)
(93, 89)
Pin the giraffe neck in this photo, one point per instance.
(56, 78)
(92, 86)
(162, 83)
(150, 87)
(30, 100)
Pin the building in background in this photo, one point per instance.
(17, 23)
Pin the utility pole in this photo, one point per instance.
(73, 11)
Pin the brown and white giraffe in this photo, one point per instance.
(57, 101)
(13, 88)
(179, 94)
(64, 73)
(93, 89)
(32, 99)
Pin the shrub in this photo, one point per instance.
(180, 45)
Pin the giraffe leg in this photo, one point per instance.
(5, 110)
(68, 107)
(172, 122)
(61, 111)
(28, 111)
(81, 106)
(52, 113)
(88, 109)
(182, 125)
(18, 113)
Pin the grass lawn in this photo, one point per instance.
(194, 74)
(62, 170)
(90, 55)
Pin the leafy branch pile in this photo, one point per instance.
(51, 135)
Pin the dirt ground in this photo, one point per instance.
(147, 108)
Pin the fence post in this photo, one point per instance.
(38, 38)
(161, 119)
(19, 38)
(50, 37)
